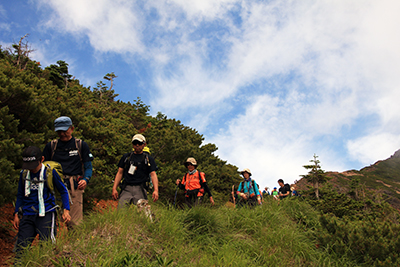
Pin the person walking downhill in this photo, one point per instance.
(194, 183)
(35, 208)
(134, 170)
(275, 193)
(284, 190)
(248, 191)
(76, 160)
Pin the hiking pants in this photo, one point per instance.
(76, 195)
(31, 225)
(76, 208)
(191, 198)
(131, 195)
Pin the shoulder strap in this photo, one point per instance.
(201, 181)
(78, 144)
(49, 178)
(127, 160)
(53, 147)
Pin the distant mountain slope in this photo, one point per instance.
(382, 177)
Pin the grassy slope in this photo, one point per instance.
(269, 235)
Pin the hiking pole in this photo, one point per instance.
(176, 192)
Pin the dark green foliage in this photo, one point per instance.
(369, 242)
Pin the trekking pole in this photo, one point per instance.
(176, 192)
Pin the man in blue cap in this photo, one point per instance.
(76, 160)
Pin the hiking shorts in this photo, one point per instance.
(131, 195)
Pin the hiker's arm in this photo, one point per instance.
(117, 180)
(66, 217)
(154, 179)
(207, 190)
(19, 202)
(16, 221)
(88, 171)
(181, 183)
(62, 189)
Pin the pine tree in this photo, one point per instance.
(316, 175)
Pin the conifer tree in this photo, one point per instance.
(316, 175)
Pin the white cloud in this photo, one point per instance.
(373, 147)
(111, 26)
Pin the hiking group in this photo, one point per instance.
(66, 165)
(249, 194)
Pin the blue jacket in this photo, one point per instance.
(30, 204)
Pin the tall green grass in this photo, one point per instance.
(269, 235)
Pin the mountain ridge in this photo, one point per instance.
(381, 178)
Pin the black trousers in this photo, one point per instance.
(250, 202)
(191, 198)
(31, 225)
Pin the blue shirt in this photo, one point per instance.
(30, 204)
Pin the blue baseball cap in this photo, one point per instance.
(62, 123)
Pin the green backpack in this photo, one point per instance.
(50, 165)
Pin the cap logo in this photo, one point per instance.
(29, 159)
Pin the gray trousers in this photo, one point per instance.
(131, 195)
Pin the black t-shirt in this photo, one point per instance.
(284, 189)
(68, 156)
(141, 169)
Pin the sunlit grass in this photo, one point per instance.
(268, 235)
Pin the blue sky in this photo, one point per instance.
(269, 82)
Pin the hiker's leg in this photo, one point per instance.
(197, 201)
(138, 192)
(188, 200)
(46, 226)
(26, 233)
(76, 209)
(126, 197)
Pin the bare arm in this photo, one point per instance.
(154, 180)
(117, 180)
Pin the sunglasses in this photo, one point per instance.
(137, 143)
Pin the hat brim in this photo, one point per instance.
(30, 165)
(61, 128)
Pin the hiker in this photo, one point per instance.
(35, 208)
(266, 191)
(194, 183)
(76, 160)
(275, 193)
(135, 169)
(284, 189)
(294, 191)
(248, 190)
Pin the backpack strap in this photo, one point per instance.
(53, 147)
(201, 181)
(78, 144)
